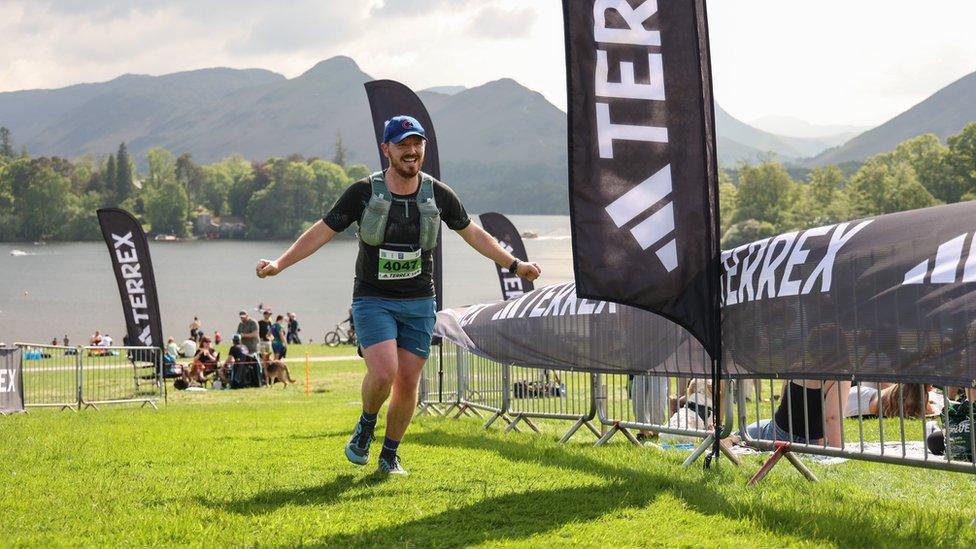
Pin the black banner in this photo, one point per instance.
(643, 174)
(892, 298)
(551, 327)
(134, 273)
(499, 227)
(11, 381)
(388, 98)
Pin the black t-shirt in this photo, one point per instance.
(264, 328)
(402, 236)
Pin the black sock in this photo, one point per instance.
(368, 421)
(389, 449)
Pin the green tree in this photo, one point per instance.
(43, 204)
(747, 231)
(215, 188)
(928, 157)
(766, 193)
(884, 186)
(124, 187)
(166, 206)
(822, 200)
(962, 158)
(339, 155)
(190, 175)
(330, 181)
(727, 194)
(162, 168)
(6, 143)
(108, 177)
(82, 220)
(9, 220)
(239, 195)
(283, 208)
(357, 172)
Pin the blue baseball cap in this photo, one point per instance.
(400, 127)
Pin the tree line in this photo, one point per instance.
(52, 198)
(758, 201)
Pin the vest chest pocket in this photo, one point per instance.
(395, 265)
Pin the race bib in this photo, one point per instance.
(398, 265)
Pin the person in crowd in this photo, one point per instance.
(217, 337)
(695, 411)
(95, 339)
(188, 348)
(239, 357)
(195, 329)
(54, 341)
(172, 349)
(293, 329)
(279, 344)
(248, 330)
(65, 341)
(264, 332)
(918, 401)
(649, 395)
(106, 341)
(205, 361)
(806, 407)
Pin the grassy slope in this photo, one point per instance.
(265, 467)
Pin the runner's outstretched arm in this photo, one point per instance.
(314, 238)
(486, 245)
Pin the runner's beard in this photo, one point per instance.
(405, 170)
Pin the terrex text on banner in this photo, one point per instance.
(643, 181)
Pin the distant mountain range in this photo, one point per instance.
(795, 127)
(502, 145)
(944, 113)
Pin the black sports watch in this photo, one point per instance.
(513, 268)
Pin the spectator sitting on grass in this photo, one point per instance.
(188, 348)
(238, 357)
(172, 349)
(827, 346)
(205, 361)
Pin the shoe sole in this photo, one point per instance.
(353, 458)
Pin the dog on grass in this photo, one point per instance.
(275, 371)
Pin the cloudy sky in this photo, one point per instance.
(825, 61)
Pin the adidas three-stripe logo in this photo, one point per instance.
(946, 269)
(659, 225)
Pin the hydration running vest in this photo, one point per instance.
(372, 225)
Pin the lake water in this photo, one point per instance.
(69, 288)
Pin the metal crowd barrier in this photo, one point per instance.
(663, 405)
(52, 376)
(892, 426)
(552, 394)
(484, 386)
(115, 375)
(439, 393)
(81, 377)
(518, 394)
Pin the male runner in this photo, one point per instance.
(393, 297)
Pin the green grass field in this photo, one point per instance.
(265, 467)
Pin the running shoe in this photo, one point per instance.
(391, 467)
(357, 451)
